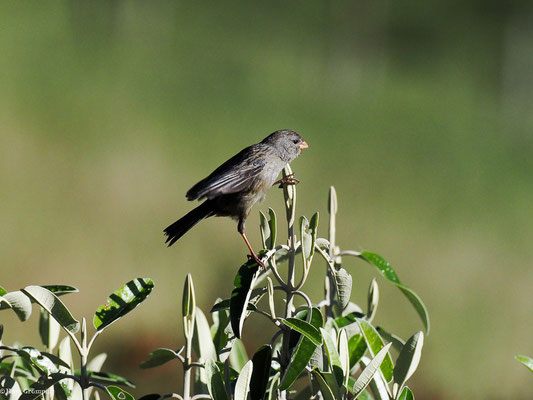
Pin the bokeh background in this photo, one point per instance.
(420, 114)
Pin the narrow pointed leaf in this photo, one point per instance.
(55, 307)
(107, 377)
(159, 357)
(238, 356)
(49, 330)
(268, 229)
(344, 355)
(308, 232)
(188, 304)
(202, 340)
(242, 386)
(122, 302)
(215, 383)
(60, 290)
(357, 349)
(262, 361)
(333, 355)
(303, 353)
(305, 328)
(117, 393)
(408, 358)
(375, 344)
(526, 362)
(373, 300)
(397, 342)
(240, 296)
(326, 391)
(388, 273)
(368, 373)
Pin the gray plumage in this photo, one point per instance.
(233, 188)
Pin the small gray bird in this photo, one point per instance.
(233, 188)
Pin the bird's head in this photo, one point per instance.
(287, 143)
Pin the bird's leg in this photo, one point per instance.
(288, 180)
(252, 253)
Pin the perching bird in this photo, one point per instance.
(233, 188)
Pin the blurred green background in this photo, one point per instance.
(420, 114)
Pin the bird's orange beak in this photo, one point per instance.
(304, 145)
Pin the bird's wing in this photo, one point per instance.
(235, 175)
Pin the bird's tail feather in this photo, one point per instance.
(182, 225)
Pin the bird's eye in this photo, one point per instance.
(295, 141)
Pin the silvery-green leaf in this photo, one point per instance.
(202, 340)
(408, 359)
(242, 386)
(343, 286)
(368, 373)
(19, 303)
(48, 330)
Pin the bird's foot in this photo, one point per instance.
(288, 180)
(257, 260)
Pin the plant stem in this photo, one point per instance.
(84, 379)
(290, 203)
(187, 369)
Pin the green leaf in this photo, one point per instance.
(375, 344)
(357, 348)
(343, 286)
(60, 290)
(406, 394)
(48, 330)
(37, 388)
(325, 389)
(262, 361)
(238, 356)
(373, 300)
(408, 359)
(388, 272)
(55, 307)
(268, 229)
(368, 373)
(240, 296)
(19, 303)
(122, 302)
(202, 340)
(305, 328)
(308, 232)
(117, 393)
(108, 377)
(333, 355)
(188, 305)
(159, 357)
(37, 359)
(303, 353)
(215, 382)
(397, 342)
(344, 355)
(348, 319)
(526, 361)
(55, 359)
(242, 386)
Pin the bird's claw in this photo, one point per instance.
(288, 180)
